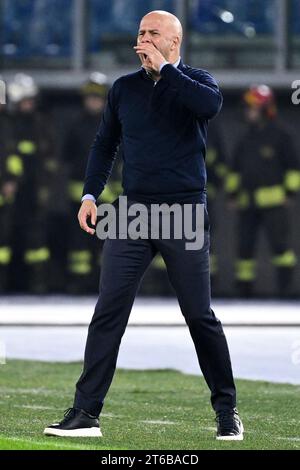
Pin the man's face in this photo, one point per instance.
(27, 105)
(253, 114)
(94, 104)
(158, 32)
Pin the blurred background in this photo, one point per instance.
(58, 59)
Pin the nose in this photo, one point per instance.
(146, 38)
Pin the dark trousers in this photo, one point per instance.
(123, 265)
(276, 225)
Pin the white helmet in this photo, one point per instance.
(23, 86)
(98, 77)
(95, 85)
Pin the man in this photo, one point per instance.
(7, 191)
(161, 114)
(81, 249)
(30, 167)
(264, 178)
(216, 171)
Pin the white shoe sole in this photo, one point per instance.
(238, 437)
(84, 432)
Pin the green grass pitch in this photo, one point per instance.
(148, 410)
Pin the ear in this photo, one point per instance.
(175, 43)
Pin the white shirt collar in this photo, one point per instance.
(175, 64)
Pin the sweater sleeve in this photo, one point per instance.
(200, 93)
(104, 148)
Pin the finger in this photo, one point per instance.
(145, 46)
(142, 50)
(83, 223)
(94, 217)
(146, 58)
(142, 58)
(87, 229)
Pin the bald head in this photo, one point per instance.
(166, 20)
(164, 30)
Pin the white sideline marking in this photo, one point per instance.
(26, 391)
(35, 407)
(296, 439)
(64, 311)
(156, 422)
(43, 443)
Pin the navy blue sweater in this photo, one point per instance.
(162, 129)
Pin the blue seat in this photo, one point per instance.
(36, 28)
(119, 18)
(295, 17)
(205, 16)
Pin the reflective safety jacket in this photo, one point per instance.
(265, 169)
(215, 162)
(31, 160)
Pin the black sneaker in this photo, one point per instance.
(229, 426)
(76, 423)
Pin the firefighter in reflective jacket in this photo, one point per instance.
(216, 171)
(29, 165)
(83, 253)
(263, 179)
(7, 191)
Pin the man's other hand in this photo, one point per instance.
(87, 210)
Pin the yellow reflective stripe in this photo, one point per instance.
(245, 269)
(111, 191)
(37, 256)
(117, 187)
(80, 262)
(292, 180)
(211, 155)
(14, 165)
(287, 259)
(27, 147)
(75, 190)
(80, 268)
(80, 255)
(243, 200)
(232, 182)
(158, 262)
(5, 255)
(108, 194)
(269, 196)
(213, 264)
